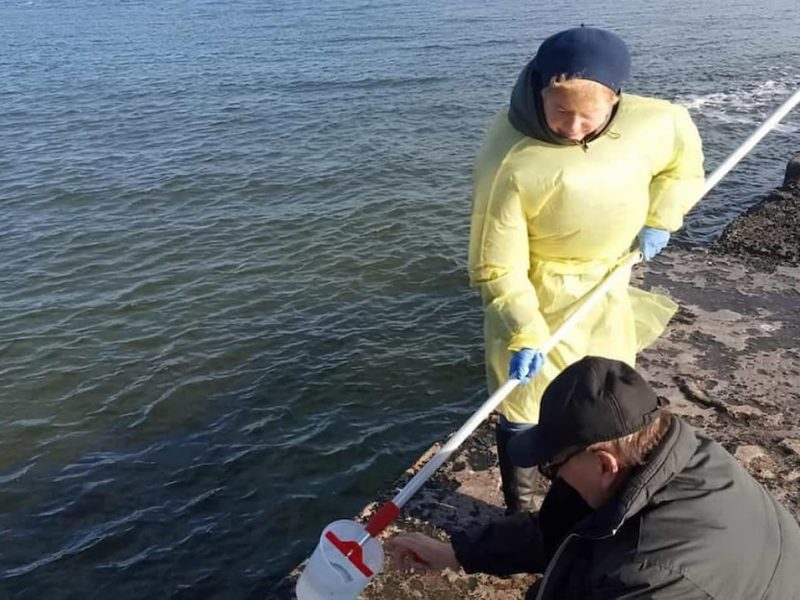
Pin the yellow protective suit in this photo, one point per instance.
(550, 221)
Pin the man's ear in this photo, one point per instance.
(608, 462)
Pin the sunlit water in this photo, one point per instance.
(233, 245)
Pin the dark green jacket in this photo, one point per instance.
(690, 524)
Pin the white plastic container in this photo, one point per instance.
(329, 574)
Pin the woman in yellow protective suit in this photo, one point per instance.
(567, 178)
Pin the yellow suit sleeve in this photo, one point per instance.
(499, 260)
(677, 188)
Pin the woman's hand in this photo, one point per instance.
(652, 241)
(525, 363)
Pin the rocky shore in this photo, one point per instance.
(729, 364)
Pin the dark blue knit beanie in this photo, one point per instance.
(586, 53)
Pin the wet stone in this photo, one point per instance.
(792, 177)
(768, 233)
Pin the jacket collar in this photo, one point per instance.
(668, 459)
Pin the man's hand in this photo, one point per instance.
(415, 551)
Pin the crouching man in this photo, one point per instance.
(640, 506)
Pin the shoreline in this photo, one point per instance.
(728, 364)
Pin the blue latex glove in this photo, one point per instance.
(652, 241)
(525, 363)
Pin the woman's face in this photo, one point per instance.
(574, 113)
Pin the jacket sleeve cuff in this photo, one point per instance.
(464, 551)
(503, 547)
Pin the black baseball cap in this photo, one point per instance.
(593, 400)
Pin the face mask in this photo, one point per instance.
(563, 507)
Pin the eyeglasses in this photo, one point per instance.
(550, 470)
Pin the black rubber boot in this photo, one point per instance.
(518, 484)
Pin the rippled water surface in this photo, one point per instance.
(233, 301)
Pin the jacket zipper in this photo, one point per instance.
(549, 570)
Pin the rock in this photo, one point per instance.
(769, 232)
(792, 445)
(793, 476)
(747, 454)
(745, 410)
(792, 176)
(692, 390)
